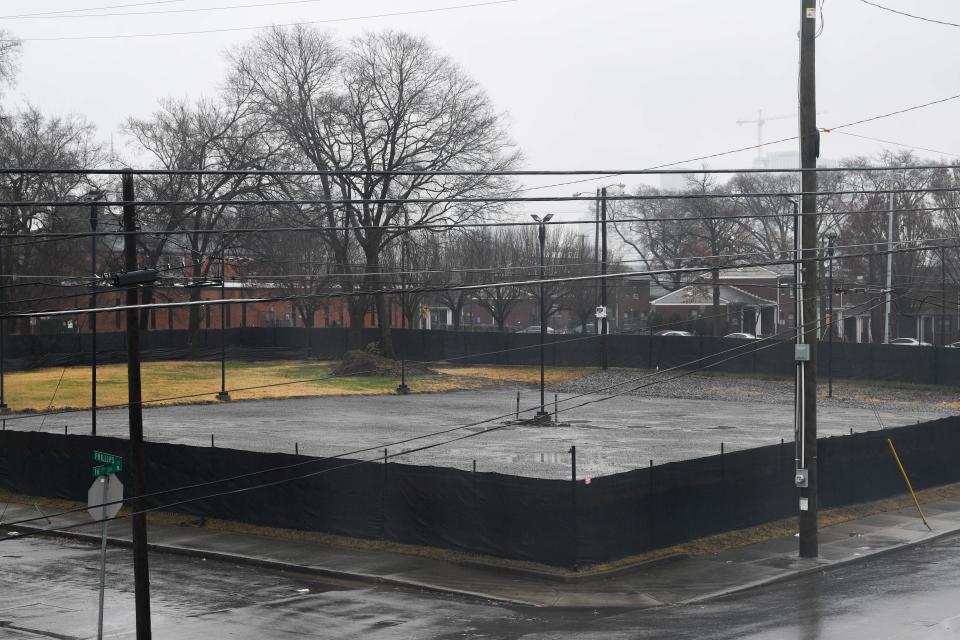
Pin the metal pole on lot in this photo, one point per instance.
(93, 314)
(604, 326)
(830, 240)
(887, 302)
(403, 388)
(573, 502)
(223, 395)
(542, 234)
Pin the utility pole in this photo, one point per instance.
(141, 572)
(887, 305)
(809, 151)
(604, 326)
(943, 298)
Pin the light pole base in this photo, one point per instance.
(223, 396)
(542, 417)
(403, 389)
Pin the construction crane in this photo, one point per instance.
(760, 121)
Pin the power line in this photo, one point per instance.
(63, 11)
(393, 14)
(910, 15)
(435, 289)
(899, 144)
(255, 5)
(346, 202)
(600, 173)
(891, 113)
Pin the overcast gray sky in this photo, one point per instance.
(598, 84)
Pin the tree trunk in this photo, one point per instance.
(193, 328)
(374, 283)
(357, 309)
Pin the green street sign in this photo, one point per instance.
(111, 464)
(106, 469)
(107, 458)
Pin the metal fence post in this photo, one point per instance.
(573, 504)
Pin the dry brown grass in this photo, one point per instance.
(187, 382)
(522, 374)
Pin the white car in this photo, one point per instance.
(741, 336)
(675, 334)
(909, 342)
(535, 328)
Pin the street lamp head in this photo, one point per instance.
(536, 217)
(832, 235)
(93, 195)
(547, 217)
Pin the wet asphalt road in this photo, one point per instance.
(611, 434)
(48, 589)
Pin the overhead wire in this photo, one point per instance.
(391, 14)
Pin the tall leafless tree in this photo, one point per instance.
(384, 104)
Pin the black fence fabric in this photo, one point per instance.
(549, 521)
(922, 365)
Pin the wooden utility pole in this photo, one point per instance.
(141, 572)
(809, 151)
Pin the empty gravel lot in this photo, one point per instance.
(682, 419)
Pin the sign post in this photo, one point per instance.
(106, 489)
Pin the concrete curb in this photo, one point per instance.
(575, 579)
(278, 564)
(828, 566)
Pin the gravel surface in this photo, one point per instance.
(706, 385)
(688, 418)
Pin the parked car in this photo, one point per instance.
(953, 345)
(535, 328)
(741, 336)
(909, 342)
(674, 334)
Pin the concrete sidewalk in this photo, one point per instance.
(675, 580)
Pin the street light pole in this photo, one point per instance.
(93, 195)
(542, 415)
(830, 240)
(403, 389)
(604, 327)
(223, 395)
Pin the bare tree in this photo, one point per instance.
(206, 135)
(384, 104)
(31, 140)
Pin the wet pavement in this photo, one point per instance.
(48, 589)
(669, 581)
(617, 434)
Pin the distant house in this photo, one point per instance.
(756, 300)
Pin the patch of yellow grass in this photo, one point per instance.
(523, 374)
(189, 382)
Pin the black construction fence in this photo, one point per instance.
(921, 365)
(555, 522)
